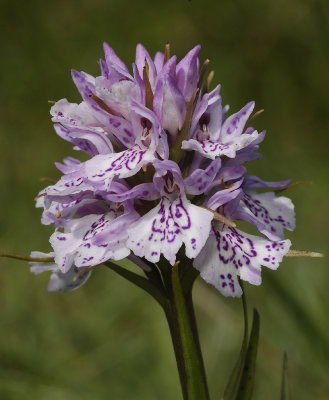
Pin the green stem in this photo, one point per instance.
(185, 340)
(172, 288)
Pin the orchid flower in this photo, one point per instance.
(165, 186)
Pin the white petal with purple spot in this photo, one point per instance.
(164, 229)
(230, 253)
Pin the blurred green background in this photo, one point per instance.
(109, 340)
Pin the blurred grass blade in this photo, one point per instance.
(284, 382)
(233, 382)
(248, 376)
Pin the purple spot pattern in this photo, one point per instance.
(235, 123)
(163, 232)
(273, 219)
(98, 227)
(234, 248)
(246, 254)
(208, 146)
(170, 221)
(122, 164)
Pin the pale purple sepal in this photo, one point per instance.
(187, 73)
(58, 280)
(112, 58)
(200, 180)
(224, 196)
(140, 83)
(158, 61)
(169, 105)
(85, 84)
(69, 164)
(253, 182)
(233, 126)
(88, 139)
(207, 117)
(142, 55)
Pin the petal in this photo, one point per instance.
(168, 68)
(140, 84)
(234, 124)
(145, 191)
(164, 229)
(69, 114)
(163, 147)
(231, 252)
(58, 280)
(162, 168)
(60, 213)
(142, 55)
(208, 148)
(187, 73)
(85, 83)
(207, 117)
(70, 184)
(214, 271)
(67, 281)
(245, 140)
(112, 58)
(200, 179)
(39, 267)
(118, 126)
(91, 140)
(146, 126)
(158, 61)
(253, 181)
(78, 244)
(169, 105)
(269, 213)
(116, 95)
(224, 196)
(116, 231)
(70, 164)
(102, 169)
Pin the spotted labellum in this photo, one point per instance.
(165, 177)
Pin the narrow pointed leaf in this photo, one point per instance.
(233, 382)
(248, 376)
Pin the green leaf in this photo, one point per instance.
(248, 376)
(234, 380)
(284, 382)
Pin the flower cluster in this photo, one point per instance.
(166, 168)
